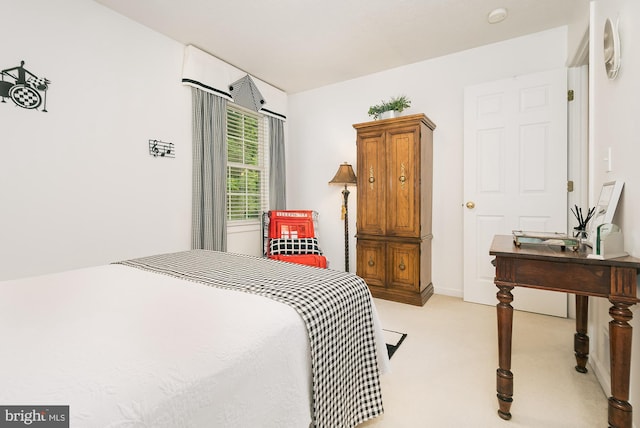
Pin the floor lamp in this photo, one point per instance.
(346, 176)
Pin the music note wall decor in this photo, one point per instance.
(159, 148)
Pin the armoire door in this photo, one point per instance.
(403, 198)
(371, 183)
(403, 266)
(371, 262)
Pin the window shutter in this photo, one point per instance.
(247, 164)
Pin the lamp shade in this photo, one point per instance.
(345, 175)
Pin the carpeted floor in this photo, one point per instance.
(444, 374)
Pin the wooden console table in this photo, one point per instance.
(551, 268)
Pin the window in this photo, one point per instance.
(247, 165)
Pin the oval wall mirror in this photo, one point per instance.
(611, 49)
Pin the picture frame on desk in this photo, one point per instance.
(605, 208)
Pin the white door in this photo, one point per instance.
(515, 166)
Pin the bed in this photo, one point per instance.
(194, 339)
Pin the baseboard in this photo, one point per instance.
(602, 374)
(453, 292)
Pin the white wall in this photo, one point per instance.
(321, 136)
(77, 185)
(613, 106)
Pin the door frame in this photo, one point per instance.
(578, 148)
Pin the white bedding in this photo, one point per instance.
(124, 347)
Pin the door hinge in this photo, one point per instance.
(570, 95)
(570, 186)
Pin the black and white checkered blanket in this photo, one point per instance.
(335, 307)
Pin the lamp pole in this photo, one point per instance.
(346, 176)
(345, 194)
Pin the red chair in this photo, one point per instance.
(290, 236)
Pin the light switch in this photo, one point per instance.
(608, 160)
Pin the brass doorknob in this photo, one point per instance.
(471, 205)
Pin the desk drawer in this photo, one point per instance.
(587, 279)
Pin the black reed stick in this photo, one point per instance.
(582, 221)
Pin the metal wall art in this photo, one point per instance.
(161, 149)
(24, 88)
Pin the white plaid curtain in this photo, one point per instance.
(277, 170)
(209, 213)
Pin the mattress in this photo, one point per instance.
(127, 347)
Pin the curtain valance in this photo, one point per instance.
(210, 74)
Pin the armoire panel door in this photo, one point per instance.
(371, 262)
(403, 198)
(403, 264)
(371, 184)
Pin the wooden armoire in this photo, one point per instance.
(395, 164)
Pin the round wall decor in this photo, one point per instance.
(611, 49)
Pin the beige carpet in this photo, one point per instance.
(443, 375)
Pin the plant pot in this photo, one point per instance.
(389, 114)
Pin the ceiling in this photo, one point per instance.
(297, 45)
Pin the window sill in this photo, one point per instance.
(243, 226)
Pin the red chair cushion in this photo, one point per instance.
(291, 224)
(304, 259)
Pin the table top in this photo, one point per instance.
(503, 246)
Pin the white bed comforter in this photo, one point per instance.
(125, 347)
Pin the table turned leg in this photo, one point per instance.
(580, 339)
(620, 333)
(504, 377)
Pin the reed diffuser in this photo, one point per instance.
(581, 228)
